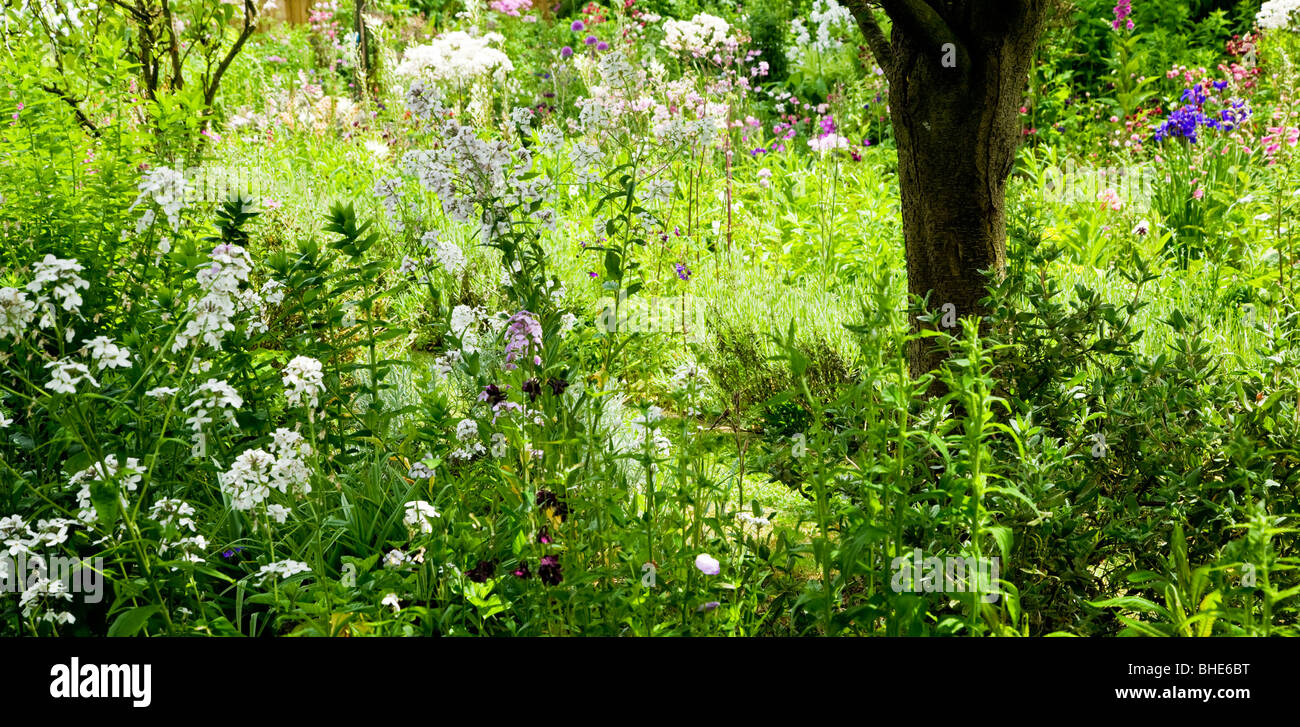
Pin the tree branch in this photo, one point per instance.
(876, 39)
(69, 100)
(918, 18)
(210, 92)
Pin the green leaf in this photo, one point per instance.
(130, 622)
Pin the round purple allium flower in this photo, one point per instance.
(602, 46)
(577, 25)
(566, 51)
(549, 570)
(591, 40)
(707, 564)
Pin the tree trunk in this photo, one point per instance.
(957, 75)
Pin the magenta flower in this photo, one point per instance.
(577, 26)
(566, 51)
(1123, 9)
(591, 40)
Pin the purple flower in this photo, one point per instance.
(549, 570)
(522, 571)
(523, 333)
(591, 40)
(544, 536)
(577, 26)
(707, 564)
(683, 272)
(602, 46)
(708, 606)
(566, 51)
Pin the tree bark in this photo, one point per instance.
(957, 74)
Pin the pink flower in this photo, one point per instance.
(1198, 194)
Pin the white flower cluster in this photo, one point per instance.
(423, 101)
(166, 188)
(463, 320)
(456, 56)
(255, 472)
(107, 354)
(212, 315)
(467, 435)
(286, 569)
(418, 514)
(16, 312)
(699, 36)
(1279, 14)
(55, 278)
(448, 253)
(303, 382)
(127, 478)
(176, 516)
(832, 23)
(19, 538)
(213, 397)
(65, 375)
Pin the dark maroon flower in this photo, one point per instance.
(547, 500)
(493, 394)
(549, 570)
(557, 385)
(544, 536)
(522, 571)
(533, 388)
(482, 571)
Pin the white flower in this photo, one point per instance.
(699, 36)
(396, 558)
(5, 421)
(455, 56)
(166, 187)
(128, 478)
(1279, 14)
(107, 355)
(391, 600)
(161, 392)
(1142, 228)
(304, 381)
(499, 447)
(278, 513)
(16, 312)
(284, 568)
(65, 375)
(417, 515)
(172, 511)
(212, 397)
(63, 281)
(521, 116)
(828, 143)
